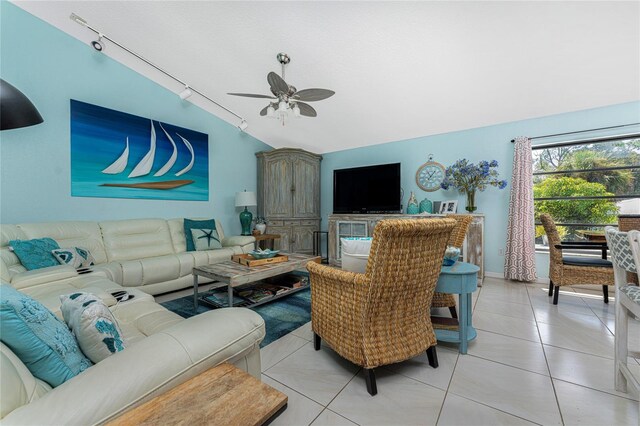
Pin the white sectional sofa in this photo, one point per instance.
(162, 349)
(149, 254)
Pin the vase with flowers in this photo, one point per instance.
(468, 178)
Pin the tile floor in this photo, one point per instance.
(532, 363)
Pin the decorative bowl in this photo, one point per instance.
(451, 256)
(264, 254)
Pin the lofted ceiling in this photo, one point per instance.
(399, 69)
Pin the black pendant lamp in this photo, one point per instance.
(16, 110)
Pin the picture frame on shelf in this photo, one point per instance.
(447, 207)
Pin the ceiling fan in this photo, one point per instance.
(287, 98)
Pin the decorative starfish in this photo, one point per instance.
(209, 236)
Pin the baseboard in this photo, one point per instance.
(500, 275)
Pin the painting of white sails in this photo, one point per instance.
(119, 155)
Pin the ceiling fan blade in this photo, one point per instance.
(251, 95)
(312, 95)
(306, 110)
(278, 85)
(263, 111)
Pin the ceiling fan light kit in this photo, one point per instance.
(286, 98)
(100, 46)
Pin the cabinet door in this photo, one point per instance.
(284, 242)
(278, 187)
(306, 180)
(303, 239)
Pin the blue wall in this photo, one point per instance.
(51, 67)
(486, 143)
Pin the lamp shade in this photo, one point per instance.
(16, 110)
(244, 199)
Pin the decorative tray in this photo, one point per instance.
(248, 260)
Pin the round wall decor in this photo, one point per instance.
(430, 175)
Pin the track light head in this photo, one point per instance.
(243, 125)
(98, 44)
(185, 93)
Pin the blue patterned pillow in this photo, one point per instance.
(93, 324)
(197, 224)
(77, 257)
(206, 239)
(42, 342)
(35, 254)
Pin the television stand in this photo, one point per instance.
(361, 225)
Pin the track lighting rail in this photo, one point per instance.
(243, 123)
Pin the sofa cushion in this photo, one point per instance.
(136, 239)
(36, 253)
(9, 262)
(205, 239)
(207, 257)
(42, 342)
(19, 387)
(77, 257)
(93, 325)
(43, 276)
(190, 224)
(70, 234)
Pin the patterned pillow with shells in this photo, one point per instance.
(77, 257)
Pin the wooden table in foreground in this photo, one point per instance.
(233, 274)
(222, 395)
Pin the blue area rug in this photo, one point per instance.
(281, 316)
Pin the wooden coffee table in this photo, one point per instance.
(233, 274)
(222, 395)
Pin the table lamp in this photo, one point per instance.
(246, 199)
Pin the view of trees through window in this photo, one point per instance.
(584, 187)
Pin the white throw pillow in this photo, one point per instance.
(206, 239)
(93, 324)
(77, 257)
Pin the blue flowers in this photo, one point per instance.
(469, 178)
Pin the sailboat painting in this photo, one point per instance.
(119, 155)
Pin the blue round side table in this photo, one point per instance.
(461, 278)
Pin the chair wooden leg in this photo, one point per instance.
(432, 356)
(454, 314)
(556, 293)
(605, 293)
(370, 377)
(316, 342)
(550, 288)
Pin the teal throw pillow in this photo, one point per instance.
(77, 257)
(43, 342)
(206, 239)
(93, 324)
(35, 254)
(190, 224)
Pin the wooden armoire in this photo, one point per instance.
(289, 196)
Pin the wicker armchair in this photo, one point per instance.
(574, 270)
(382, 316)
(444, 300)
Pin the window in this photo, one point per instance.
(584, 185)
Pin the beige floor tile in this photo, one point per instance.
(319, 375)
(509, 326)
(329, 418)
(582, 369)
(304, 332)
(418, 368)
(300, 410)
(584, 406)
(552, 315)
(279, 349)
(509, 350)
(512, 390)
(588, 338)
(516, 310)
(458, 411)
(400, 401)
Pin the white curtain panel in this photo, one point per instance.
(520, 255)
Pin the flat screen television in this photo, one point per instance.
(371, 189)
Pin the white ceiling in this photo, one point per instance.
(399, 69)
